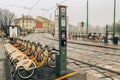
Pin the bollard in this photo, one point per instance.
(115, 40)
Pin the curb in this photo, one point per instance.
(88, 44)
(95, 45)
(3, 68)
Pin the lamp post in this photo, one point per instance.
(1, 27)
(106, 38)
(23, 27)
(114, 19)
(49, 28)
(49, 21)
(87, 16)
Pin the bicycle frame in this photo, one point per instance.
(29, 65)
(38, 64)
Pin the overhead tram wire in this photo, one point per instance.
(30, 9)
(20, 7)
(34, 5)
(54, 6)
(23, 7)
(63, 1)
(57, 4)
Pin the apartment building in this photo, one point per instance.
(26, 22)
(48, 25)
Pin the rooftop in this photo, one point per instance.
(26, 17)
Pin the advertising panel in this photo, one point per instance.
(13, 31)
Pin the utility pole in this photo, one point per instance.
(106, 38)
(23, 27)
(82, 25)
(49, 28)
(114, 19)
(87, 16)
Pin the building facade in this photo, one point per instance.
(26, 22)
(48, 25)
(39, 26)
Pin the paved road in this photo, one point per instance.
(103, 57)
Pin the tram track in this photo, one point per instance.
(84, 62)
(89, 49)
(116, 72)
(87, 44)
(96, 51)
(92, 65)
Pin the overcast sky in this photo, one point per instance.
(100, 11)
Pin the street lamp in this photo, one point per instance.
(49, 27)
(49, 21)
(114, 19)
(87, 16)
(106, 38)
(82, 25)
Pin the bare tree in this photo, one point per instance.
(6, 19)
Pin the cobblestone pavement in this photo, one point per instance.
(2, 58)
(103, 57)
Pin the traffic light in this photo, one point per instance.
(82, 24)
(106, 27)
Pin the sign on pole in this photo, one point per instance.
(13, 32)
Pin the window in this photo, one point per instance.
(26, 21)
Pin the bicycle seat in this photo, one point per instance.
(31, 54)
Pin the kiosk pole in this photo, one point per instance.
(61, 59)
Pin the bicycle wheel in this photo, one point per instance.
(24, 74)
(14, 62)
(51, 60)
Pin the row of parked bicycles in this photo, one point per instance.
(26, 56)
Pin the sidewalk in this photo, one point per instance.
(2, 59)
(97, 44)
(90, 43)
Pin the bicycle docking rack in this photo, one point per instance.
(41, 72)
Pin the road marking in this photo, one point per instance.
(66, 76)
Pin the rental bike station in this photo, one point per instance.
(26, 57)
